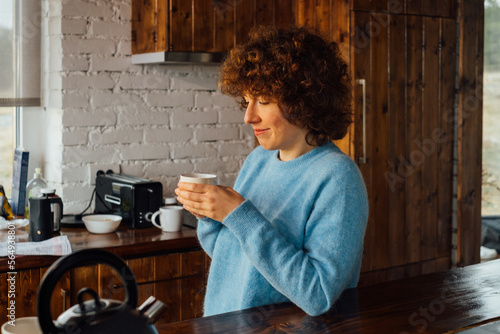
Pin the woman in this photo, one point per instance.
(292, 228)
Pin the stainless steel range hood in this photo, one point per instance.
(170, 57)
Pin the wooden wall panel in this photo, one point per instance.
(181, 25)
(143, 26)
(471, 18)
(246, 18)
(84, 277)
(203, 22)
(445, 137)
(27, 287)
(162, 42)
(264, 10)
(427, 147)
(4, 300)
(412, 172)
(378, 153)
(305, 12)
(323, 15)
(284, 13)
(397, 149)
(224, 25)
(60, 300)
(360, 67)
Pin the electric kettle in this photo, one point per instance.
(97, 316)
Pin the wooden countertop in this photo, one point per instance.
(445, 302)
(124, 242)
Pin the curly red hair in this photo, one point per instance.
(299, 69)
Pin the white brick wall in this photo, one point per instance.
(153, 121)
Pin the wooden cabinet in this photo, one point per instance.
(404, 68)
(201, 25)
(177, 279)
(445, 9)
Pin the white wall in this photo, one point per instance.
(152, 121)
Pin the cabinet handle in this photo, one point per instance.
(64, 293)
(362, 82)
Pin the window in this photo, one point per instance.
(491, 110)
(6, 90)
(20, 25)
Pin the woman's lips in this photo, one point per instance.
(258, 132)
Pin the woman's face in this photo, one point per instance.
(273, 131)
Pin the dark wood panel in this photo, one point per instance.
(144, 291)
(143, 26)
(305, 12)
(397, 133)
(284, 13)
(427, 146)
(192, 296)
(360, 67)
(446, 136)
(60, 300)
(4, 296)
(413, 7)
(323, 15)
(224, 24)
(412, 170)
(203, 25)
(264, 12)
(429, 7)
(169, 293)
(339, 33)
(361, 5)
(378, 153)
(167, 266)
(340, 25)
(181, 25)
(193, 263)
(246, 18)
(27, 288)
(85, 277)
(162, 23)
(470, 131)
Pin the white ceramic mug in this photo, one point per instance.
(170, 218)
(200, 178)
(25, 325)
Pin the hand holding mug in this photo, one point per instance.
(206, 199)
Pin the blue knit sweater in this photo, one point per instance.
(298, 236)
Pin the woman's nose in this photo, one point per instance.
(251, 115)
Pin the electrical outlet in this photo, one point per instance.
(93, 169)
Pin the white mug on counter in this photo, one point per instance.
(170, 218)
(25, 325)
(199, 178)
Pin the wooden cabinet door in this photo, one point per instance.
(443, 8)
(403, 68)
(202, 25)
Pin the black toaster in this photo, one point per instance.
(134, 199)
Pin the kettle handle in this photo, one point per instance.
(75, 260)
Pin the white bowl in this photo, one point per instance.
(100, 224)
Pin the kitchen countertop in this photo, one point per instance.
(445, 302)
(124, 242)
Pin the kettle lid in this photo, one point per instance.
(89, 312)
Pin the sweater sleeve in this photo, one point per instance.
(312, 277)
(208, 231)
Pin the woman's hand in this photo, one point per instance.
(203, 200)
